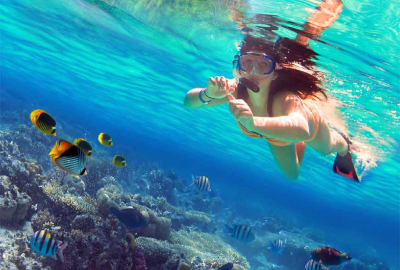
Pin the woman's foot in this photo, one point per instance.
(344, 165)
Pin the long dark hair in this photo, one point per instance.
(295, 72)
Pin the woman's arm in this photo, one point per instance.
(290, 128)
(292, 122)
(192, 100)
(215, 93)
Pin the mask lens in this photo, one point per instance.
(260, 63)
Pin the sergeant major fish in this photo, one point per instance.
(43, 122)
(84, 146)
(69, 158)
(240, 232)
(105, 139)
(201, 184)
(45, 244)
(313, 265)
(276, 247)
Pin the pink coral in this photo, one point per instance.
(139, 262)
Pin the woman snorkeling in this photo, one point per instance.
(273, 96)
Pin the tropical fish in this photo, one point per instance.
(84, 146)
(119, 161)
(240, 232)
(329, 256)
(43, 122)
(313, 265)
(129, 216)
(231, 266)
(45, 244)
(201, 184)
(69, 158)
(276, 247)
(105, 139)
(227, 266)
(130, 239)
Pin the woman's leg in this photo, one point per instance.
(289, 158)
(300, 149)
(328, 141)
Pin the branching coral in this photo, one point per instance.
(197, 216)
(56, 193)
(48, 225)
(210, 248)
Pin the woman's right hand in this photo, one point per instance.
(219, 87)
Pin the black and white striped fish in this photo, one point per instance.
(45, 244)
(69, 158)
(276, 247)
(240, 232)
(313, 265)
(201, 184)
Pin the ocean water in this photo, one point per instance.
(123, 67)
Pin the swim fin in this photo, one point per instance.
(344, 166)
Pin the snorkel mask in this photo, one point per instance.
(253, 63)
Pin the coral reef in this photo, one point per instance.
(198, 250)
(14, 206)
(138, 260)
(68, 202)
(157, 227)
(183, 229)
(42, 220)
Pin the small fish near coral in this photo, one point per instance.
(276, 247)
(43, 122)
(201, 184)
(231, 266)
(242, 233)
(84, 146)
(329, 256)
(129, 216)
(313, 265)
(130, 239)
(227, 266)
(105, 139)
(69, 158)
(45, 244)
(119, 161)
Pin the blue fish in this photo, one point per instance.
(45, 244)
(276, 247)
(129, 216)
(240, 232)
(227, 266)
(313, 265)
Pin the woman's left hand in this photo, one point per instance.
(241, 111)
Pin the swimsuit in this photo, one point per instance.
(317, 119)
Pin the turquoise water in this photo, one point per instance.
(124, 68)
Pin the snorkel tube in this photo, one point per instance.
(249, 84)
(243, 82)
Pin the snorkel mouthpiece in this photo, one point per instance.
(249, 84)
